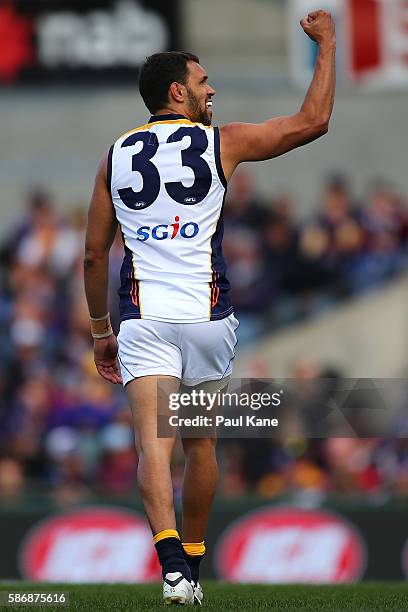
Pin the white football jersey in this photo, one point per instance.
(168, 190)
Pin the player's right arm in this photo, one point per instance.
(256, 142)
(100, 233)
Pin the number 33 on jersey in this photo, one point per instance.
(168, 189)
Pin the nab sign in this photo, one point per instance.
(67, 41)
(286, 545)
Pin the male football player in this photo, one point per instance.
(164, 184)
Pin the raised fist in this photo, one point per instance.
(319, 26)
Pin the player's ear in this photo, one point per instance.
(176, 91)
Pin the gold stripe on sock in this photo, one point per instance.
(194, 549)
(166, 533)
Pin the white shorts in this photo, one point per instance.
(193, 352)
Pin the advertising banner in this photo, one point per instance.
(95, 544)
(71, 42)
(288, 545)
(249, 541)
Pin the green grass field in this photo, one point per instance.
(365, 597)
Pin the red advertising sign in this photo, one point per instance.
(288, 545)
(95, 544)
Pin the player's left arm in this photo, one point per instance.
(100, 233)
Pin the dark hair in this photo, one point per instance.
(157, 74)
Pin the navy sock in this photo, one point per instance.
(193, 563)
(171, 556)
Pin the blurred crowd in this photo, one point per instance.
(282, 269)
(66, 431)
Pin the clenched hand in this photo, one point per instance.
(319, 26)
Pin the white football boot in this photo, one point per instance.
(177, 590)
(198, 594)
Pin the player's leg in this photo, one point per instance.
(154, 453)
(151, 368)
(155, 484)
(208, 351)
(199, 486)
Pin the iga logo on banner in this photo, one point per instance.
(283, 545)
(90, 545)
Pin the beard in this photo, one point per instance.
(197, 113)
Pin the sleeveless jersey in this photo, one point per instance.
(168, 190)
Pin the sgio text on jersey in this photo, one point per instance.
(161, 232)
